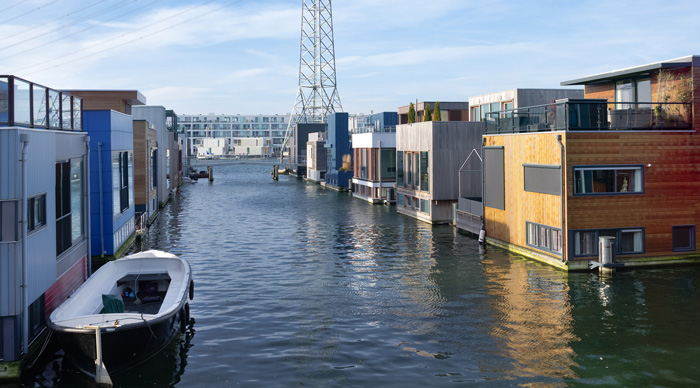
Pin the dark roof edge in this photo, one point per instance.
(691, 60)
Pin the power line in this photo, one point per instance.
(107, 9)
(28, 12)
(14, 5)
(79, 32)
(134, 40)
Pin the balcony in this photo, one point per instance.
(374, 129)
(591, 115)
(26, 104)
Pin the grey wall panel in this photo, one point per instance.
(10, 280)
(494, 178)
(8, 163)
(542, 179)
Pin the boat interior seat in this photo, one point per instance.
(112, 304)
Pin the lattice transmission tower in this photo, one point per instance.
(317, 96)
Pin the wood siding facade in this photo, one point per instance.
(509, 225)
(669, 162)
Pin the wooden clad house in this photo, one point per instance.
(621, 163)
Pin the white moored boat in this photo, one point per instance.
(126, 312)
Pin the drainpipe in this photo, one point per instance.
(563, 193)
(24, 139)
(102, 221)
(86, 205)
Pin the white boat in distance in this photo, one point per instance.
(134, 306)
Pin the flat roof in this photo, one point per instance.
(691, 60)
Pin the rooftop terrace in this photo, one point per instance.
(27, 104)
(591, 115)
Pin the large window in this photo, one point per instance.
(388, 161)
(409, 169)
(363, 163)
(627, 241)
(37, 314)
(76, 199)
(36, 212)
(121, 178)
(424, 172)
(64, 236)
(543, 237)
(608, 180)
(633, 91)
(684, 238)
(425, 206)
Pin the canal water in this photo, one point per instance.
(297, 285)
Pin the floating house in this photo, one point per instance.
(297, 146)
(112, 181)
(469, 211)
(145, 173)
(428, 158)
(621, 163)
(44, 221)
(338, 152)
(109, 122)
(449, 111)
(167, 145)
(316, 157)
(374, 152)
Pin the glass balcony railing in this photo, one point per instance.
(26, 104)
(591, 115)
(374, 129)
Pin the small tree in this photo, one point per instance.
(436, 112)
(427, 116)
(347, 163)
(411, 113)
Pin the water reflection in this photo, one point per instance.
(533, 323)
(297, 285)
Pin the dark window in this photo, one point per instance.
(124, 181)
(424, 172)
(37, 313)
(36, 212)
(399, 167)
(627, 241)
(154, 169)
(409, 169)
(543, 237)
(63, 207)
(684, 238)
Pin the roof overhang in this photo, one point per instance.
(664, 65)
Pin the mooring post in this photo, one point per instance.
(210, 170)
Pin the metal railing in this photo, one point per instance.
(591, 115)
(374, 129)
(28, 104)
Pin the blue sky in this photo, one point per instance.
(242, 57)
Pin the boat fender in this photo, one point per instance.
(191, 289)
(183, 322)
(482, 235)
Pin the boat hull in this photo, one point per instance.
(122, 347)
